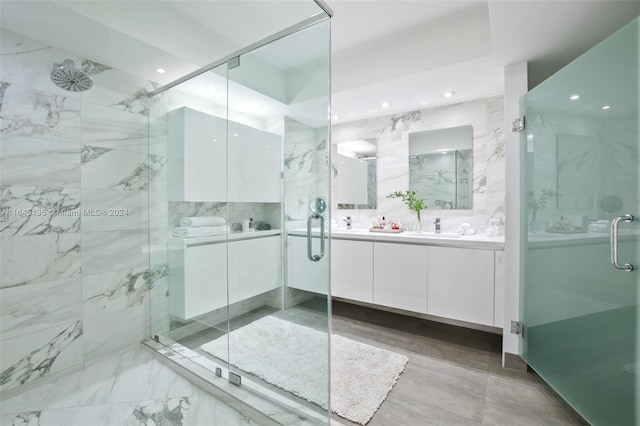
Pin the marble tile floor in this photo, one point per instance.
(130, 389)
(454, 375)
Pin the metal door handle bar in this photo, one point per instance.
(315, 257)
(614, 242)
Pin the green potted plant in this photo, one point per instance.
(415, 204)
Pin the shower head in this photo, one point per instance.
(68, 77)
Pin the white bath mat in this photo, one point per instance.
(293, 357)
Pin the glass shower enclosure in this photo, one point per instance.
(579, 295)
(239, 219)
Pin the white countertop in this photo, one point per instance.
(214, 239)
(409, 237)
(547, 239)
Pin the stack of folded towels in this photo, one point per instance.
(465, 229)
(201, 226)
(599, 226)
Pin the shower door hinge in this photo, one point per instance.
(517, 124)
(233, 63)
(517, 328)
(235, 379)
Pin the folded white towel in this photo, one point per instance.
(199, 231)
(203, 221)
(465, 226)
(468, 231)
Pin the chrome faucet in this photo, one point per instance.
(437, 223)
(348, 220)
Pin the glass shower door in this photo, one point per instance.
(278, 186)
(582, 178)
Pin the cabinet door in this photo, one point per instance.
(197, 156)
(303, 273)
(460, 284)
(498, 301)
(400, 276)
(254, 165)
(352, 270)
(197, 280)
(254, 267)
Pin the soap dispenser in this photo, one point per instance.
(252, 225)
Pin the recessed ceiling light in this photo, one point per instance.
(336, 117)
(161, 70)
(574, 97)
(606, 107)
(385, 105)
(449, 94)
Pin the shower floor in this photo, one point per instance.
(132, 388)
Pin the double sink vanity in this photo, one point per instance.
(448, 276)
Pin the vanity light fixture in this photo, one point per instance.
(606, 107)
(449, 94)
(574, 97)
(385, 105)
(161, 70)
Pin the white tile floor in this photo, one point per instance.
(129, 389)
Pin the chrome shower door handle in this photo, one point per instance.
(315, 257)
(614, 242)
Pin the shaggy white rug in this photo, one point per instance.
(294, 358)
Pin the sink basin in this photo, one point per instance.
(445, 235)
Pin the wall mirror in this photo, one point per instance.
(441, 167)
(356, 174)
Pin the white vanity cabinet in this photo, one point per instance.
(352, 270)
(199, 270)
(400, 276)
(303, 273)
(201, 145)
(452, 279)
(461, 284)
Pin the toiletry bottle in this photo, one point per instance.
(252, 225)
(245, 225)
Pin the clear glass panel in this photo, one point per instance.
(278, 167)
(582, 171)
(247, 154)
(188, 127)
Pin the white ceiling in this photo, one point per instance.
(406, 53)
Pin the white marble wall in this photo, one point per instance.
(392, 136)
(73, 287)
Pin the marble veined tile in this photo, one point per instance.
(114, 250)
(28, 63)
(55, 417)
(108, 127)
(29, 357)
(37, 162)
(105, 168)
(36, 210)
(115, 331)
(39, 258)
(38, 114)
(131, 376)
(102, 414)
(169, 412)
(168, 384)
(115, 290)
(124, 209)
(30, 308)
(206, 409)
